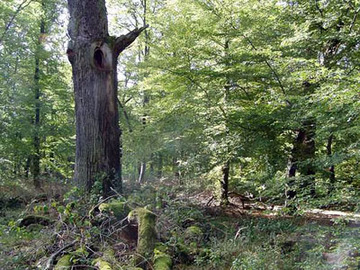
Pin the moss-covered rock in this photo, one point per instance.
(64, 263)
(193, 231)
(102, 264)
(162, 260)
(119, 209)
(147, 235)
(106, 261)
(193, 235)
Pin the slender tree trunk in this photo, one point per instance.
(175, 168)
(142, 170)
(152, 157)
(332, 167)
(27, 166)
(93, 55)
(160, 166)
(37, 93)
(226, 167)
(225, 184)
(146, 97)
(36, 139)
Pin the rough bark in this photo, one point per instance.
(93, 56)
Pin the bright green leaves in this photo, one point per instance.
(21, 45)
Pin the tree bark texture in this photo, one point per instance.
(93, 56)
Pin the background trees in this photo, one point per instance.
(268, 89)
(36, 108)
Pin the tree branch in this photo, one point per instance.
(124, 41)
(277, 78)
(318, 8)
(354, 20)
(50, 261)
(126, 115)
(20, 7)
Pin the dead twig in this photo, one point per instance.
(239, 231)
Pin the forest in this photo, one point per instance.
(179, 134)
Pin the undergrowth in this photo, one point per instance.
(195, 237)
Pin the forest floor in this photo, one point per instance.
(197, 232)
(340, 248)
(255, 208)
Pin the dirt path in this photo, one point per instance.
(258, 209)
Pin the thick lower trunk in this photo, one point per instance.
(97, 128)
(225, 184)
(302, 153)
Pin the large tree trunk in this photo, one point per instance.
(93, 55)
(303, 150)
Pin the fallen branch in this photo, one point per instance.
(239, 231)
(52, 258)
(211, 199)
